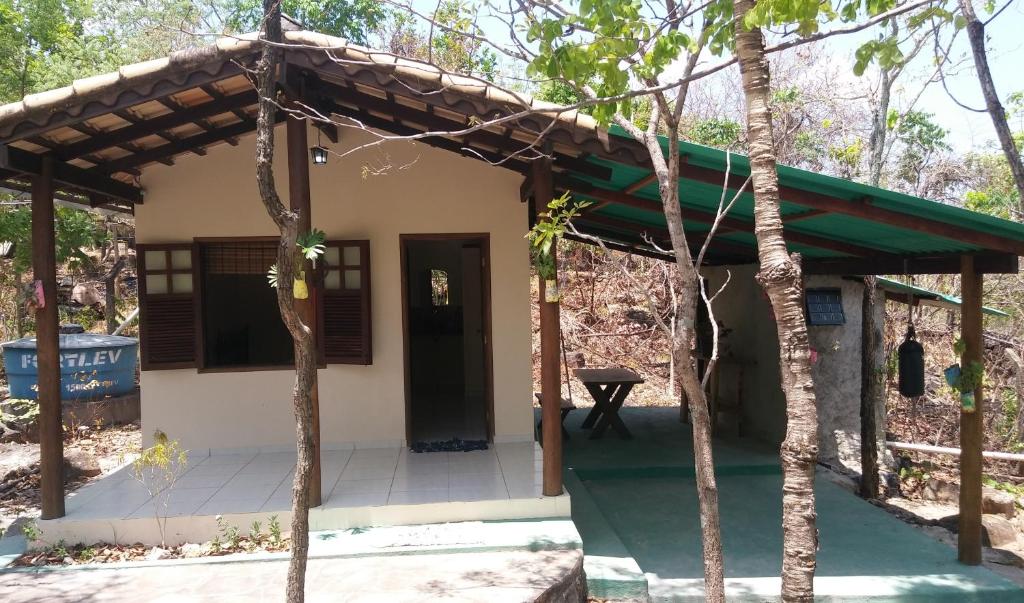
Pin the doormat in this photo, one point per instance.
(452, 445)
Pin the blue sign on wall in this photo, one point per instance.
(825, 307)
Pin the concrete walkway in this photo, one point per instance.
(484, 577)
(635, 505)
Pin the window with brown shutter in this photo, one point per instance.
(167, 298)
(345, 317)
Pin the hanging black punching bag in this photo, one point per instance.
(911, 365)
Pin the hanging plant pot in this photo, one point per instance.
(967, 402)
(952, 375)
(551, 292)
(299, 288)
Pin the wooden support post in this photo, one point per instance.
(300, 202)
(871, 387)
(550, 369)
(44, 265)
(971, 425)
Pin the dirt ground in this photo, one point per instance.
(19, 477)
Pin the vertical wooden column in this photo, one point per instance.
(871, 389)
(971, 433)
(550, 368)
(44, 265)
(300, 201)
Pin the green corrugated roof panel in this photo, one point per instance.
(949, 300)
(839, 227)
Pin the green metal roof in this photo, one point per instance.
(938, 299)
(846, 220)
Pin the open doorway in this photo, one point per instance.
(446, 301)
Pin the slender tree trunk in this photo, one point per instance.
(780, 276)
(686, 369)
(879, 128)
(305, 359)
(976, 34)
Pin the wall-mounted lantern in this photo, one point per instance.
(319, 155)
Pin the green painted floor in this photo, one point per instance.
(635, 505)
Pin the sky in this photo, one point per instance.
(967, 130)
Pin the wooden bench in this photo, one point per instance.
(566, 407)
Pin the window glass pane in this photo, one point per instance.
(181, 283)
(332, 256)
(351, 256)
(156, 283)
(332, 280)
(352, 279)
(439, 287)
(156, 260)
(181, 259)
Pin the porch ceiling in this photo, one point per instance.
(104, 131)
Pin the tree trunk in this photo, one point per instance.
(686, 369)
(19, 305)
(110, 293)
(879, 128)
(305, 359)
(976, 35)
(780, 276)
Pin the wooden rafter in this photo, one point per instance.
(25, 162)
(148, 127)
(182, 145)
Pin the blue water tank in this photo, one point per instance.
(92, 366)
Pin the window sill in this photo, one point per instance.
(251, 369)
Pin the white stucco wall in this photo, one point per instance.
(745, 310)
(416, 189)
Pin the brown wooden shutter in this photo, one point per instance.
(345, 317)
(168, 290)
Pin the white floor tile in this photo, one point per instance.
(376, 453)
(418, 497)
(357, 499)
(231, 505)
(360, 473)
(420, 482)
(477, 493)
(473, 480)
(362, 486)
(229, 459)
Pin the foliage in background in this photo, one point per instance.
(349, 19)
(74, 229)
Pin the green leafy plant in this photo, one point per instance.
(548, 230)
(158, 469)
(274, 529)
(31, 532)
(312, 245)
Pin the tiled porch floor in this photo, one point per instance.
(363, 477)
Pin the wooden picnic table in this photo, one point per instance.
(609, 388)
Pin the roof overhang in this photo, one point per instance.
(103, 132)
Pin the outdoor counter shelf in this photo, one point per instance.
(91, 366)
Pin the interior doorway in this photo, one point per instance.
(445, 303)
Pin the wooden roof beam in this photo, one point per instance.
(988, 263)
(147, 127)
(182, 145)
(403, 115)
(25, 162)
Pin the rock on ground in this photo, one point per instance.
(78, 462)
(997, 531)
(998, 502)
